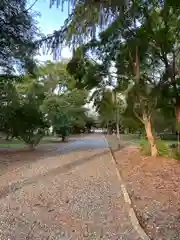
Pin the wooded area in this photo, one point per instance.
(125, 60)
(122, 82)
(141, 40)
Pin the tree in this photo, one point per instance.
(55, 77)
(106, 108)
(18, 33)
(166, 37)
(142, 38)
(8, 103)
(133, 63)
(21, 116)
(32, 103)
(98, 77)
(127, 48)
(62, 102)
(29, 124)
(65, 111)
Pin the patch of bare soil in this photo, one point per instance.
(154, 187)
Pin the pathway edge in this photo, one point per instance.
(127, 199)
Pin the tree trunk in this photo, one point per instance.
(117, 131)
(177, 109)
(8, 137)
(117, 124)
(63, 138)
(150, 137)
(31, 146)
(117, 127)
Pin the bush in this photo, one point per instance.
(176, 154)
(145, 147)
(29, 124)
(162, 146)
(175, 151)
(170, 136)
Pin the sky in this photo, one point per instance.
(50, 19)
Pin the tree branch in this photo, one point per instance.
(151, 109)
(135, 113)
(31, 6)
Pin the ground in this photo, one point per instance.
(153, 185)
(19, 144)
(63, 191)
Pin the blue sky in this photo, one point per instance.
(50, 20)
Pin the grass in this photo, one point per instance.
(18, 144)
(12, 145)
(164, 146)
(112, 141)
(130, 139)
(136, 139)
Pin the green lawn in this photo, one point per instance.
(12, 145)
(129, 139)
(136, 139)
(18, 144)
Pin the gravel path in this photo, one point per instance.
(73, 195)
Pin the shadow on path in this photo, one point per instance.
(67, 167)
(17, 158)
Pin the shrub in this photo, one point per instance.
(162, 146)
(170, 136)
(145, 147)
(29, 124)
(176, 154)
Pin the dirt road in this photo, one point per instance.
(73, 194)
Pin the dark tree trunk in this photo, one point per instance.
(177, 110)
(63, 138)
(31, 146)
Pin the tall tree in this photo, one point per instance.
(18, 33)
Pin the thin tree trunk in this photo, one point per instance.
(177, 105)
(63, 138)
(7, 137)
(146, 120)
(117, 116)
(117, 124)
(117, 127)
(177, 110)
(137, 66)
(31, 146)
(150, 137)
(117, 130)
